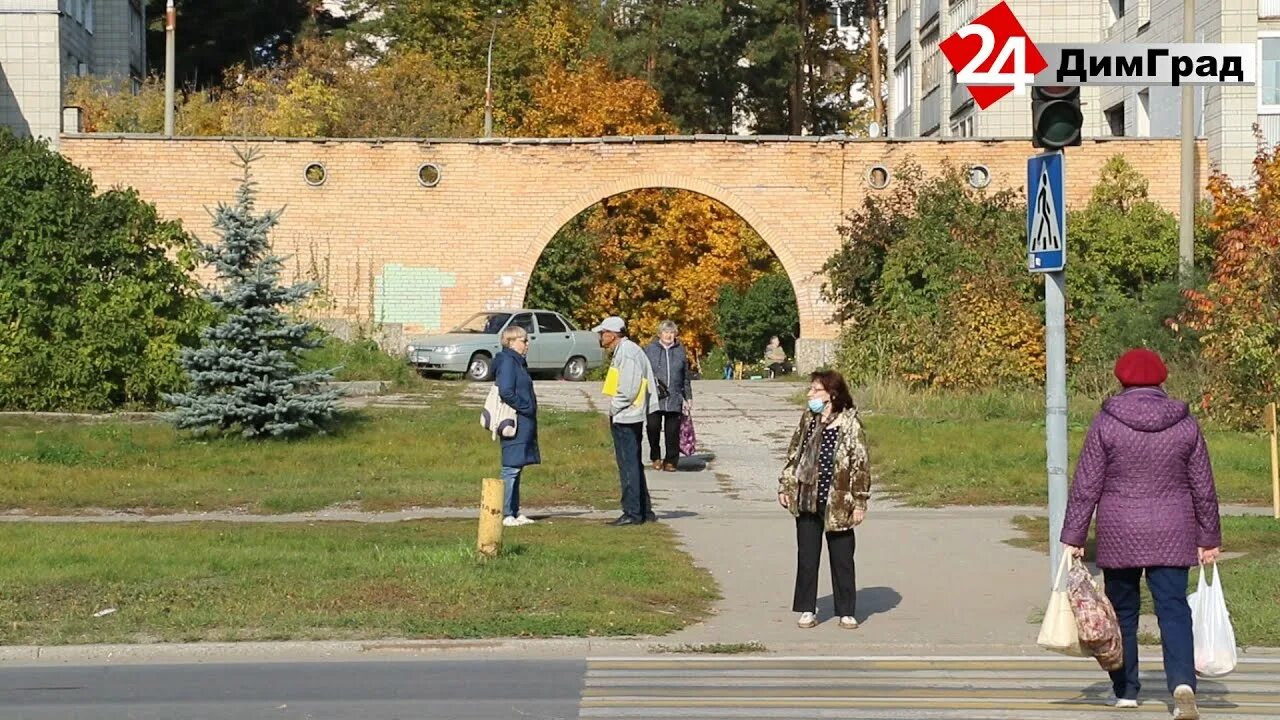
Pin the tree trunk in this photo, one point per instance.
(874, 86)
(797, 82)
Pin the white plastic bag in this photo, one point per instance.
(1215, 640)
(1058, 631)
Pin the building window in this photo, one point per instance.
(87, 13)
(1269, 75)
(1114, 9)
(931, 68)
(1115, 119)
(842, 15)
(902, 89)
(1144, 114)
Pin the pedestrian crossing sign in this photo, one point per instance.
(1046, 214)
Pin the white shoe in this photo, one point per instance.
(1125, 703)
(1184, 703)
(848, 622)
(523, 520)
(807, 620)
(510, 521)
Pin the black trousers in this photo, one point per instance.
(671, 421)
(840, 547)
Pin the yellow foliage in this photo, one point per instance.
(592, 102)
(993, 338)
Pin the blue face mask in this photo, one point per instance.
(817, 405)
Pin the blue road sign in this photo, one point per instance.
(1046, 214)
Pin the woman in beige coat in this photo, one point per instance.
(825, 484)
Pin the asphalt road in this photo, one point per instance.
(372, 690)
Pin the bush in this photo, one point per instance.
(358, 360)
(95, 293)
(747, 320)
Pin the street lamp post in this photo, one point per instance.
(488, 80)
(170, 27)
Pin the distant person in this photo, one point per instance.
(670, 365)
(825, 483)
(515, 387)
(776, 357)
(631, 384)
(1145, 468)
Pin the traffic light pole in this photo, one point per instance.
(1055, 406)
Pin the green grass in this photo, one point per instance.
(225, 582)
(1251, 583)
(933, 449)
(381, 459)
(711, 649)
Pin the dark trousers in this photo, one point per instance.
(840, 546)
(635, 489)
(672, 435)
(1168, 587)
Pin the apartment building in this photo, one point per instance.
(45, 42)
(924, 99)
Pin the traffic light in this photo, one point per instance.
(1055, 117)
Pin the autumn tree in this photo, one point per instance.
(1238, 315)
(656, 254)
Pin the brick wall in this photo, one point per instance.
(388, 249)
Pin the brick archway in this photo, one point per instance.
(420, 257)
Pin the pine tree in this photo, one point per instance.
(245, 373)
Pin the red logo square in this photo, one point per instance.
(993, 46)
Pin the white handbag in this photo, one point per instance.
(1058, 631)
(1215, 639)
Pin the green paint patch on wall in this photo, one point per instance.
(410, 295)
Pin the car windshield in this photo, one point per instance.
(484, 323)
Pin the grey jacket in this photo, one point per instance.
(671, 367)
(632, 366)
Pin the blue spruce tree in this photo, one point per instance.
(244, 376)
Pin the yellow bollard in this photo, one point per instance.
(1275, 461)
(489, 542)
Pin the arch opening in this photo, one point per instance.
(655, 253)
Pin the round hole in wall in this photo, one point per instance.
(979, 176)
(315, 174)
(878, 177)
(428, 175)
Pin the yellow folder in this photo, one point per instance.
(611, 386)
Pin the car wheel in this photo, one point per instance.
(480, 368)
(575, 369)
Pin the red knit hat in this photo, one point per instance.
(1140, 367)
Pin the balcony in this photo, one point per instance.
(1268, 8)
(959, 96)
(1270, 127)
(902, 124)
(931, 111)
(928, 11)
(962, 11)
(902, 32)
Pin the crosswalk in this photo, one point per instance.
(974, 688)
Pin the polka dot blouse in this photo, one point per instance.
(826, 460)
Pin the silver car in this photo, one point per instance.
(555, 344)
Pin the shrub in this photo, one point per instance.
(95, 295)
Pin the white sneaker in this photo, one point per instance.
(807, 620)
(510, 521)
(1184, 703)
(1125, 703)
(848, 622)
(523, 520)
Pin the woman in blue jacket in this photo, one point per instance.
(515, 387)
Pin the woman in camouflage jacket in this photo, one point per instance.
(825, 483)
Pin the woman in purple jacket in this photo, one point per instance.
(1145, 468)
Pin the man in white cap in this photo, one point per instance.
(631, 383)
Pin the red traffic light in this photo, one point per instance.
(1056, 91)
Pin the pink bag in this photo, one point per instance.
(1095, 618)
(688, 439)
